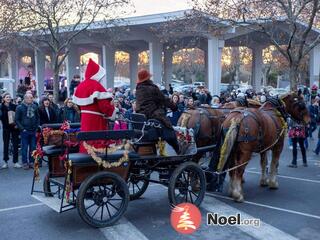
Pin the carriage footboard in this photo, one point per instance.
(206, 148)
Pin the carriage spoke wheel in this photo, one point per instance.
(187, 184)
(138, 183)
(102, 199)
(47, 186)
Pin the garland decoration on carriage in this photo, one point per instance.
(185, 138)
(93, 152)
(68, 188)
(71, 142)
(184, 134)
(161, 146)
(56, 135)
(37, 155)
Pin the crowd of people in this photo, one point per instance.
(22, 117)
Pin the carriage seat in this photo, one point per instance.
(153, 134)
(84, 158)
(51, 150)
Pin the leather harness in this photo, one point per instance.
(247, 138)
(196, 129)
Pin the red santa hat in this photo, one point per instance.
(91, 89)
(94, 71)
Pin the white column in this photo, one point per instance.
(215, 47)
(108, 60)
(13, 71)
(155, 61)
(167, 67)
(134, 58)
(73, 65)
(206, 67)
(314, 65)
(257, 66)
(39, 59)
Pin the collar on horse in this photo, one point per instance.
(247, 138)
(278, 104)
(242, 101)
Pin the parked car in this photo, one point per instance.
(199, 84)
(226, 87)
(278, 91)
(184, 88)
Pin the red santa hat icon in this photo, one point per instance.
(94, 71)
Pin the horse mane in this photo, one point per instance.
(254, 102)
(185, 116)
(283, 96)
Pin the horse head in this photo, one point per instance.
(296, 107)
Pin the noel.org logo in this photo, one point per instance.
(185, 218)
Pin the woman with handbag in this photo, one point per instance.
(297, 132)
(10, 130)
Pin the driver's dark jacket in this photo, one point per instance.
(152, 102)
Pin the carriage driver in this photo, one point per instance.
(152, 103)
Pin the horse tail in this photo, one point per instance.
(228, 143)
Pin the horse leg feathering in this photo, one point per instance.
(263, 163)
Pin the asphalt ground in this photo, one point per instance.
(291, 212)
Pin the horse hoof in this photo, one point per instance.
(239, 199)
(264, 182)
(273, 185)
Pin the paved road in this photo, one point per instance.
(292, 212)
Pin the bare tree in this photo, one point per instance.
(9, 24)
(54, 24)
(288, 24)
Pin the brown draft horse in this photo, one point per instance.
(250, 103)
(258, 130)
(206, 123)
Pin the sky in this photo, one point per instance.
(146, 7)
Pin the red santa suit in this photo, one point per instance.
(94, 101)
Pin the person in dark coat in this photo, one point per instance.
(74, 84)
(55, 107)
(70, 112)
(152, 103)
(297, 132)
(314, 116)
(170, 89)
(174, 115)
(10, 130)
(46, 112)
(27, 120)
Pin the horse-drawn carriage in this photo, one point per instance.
(101, 184)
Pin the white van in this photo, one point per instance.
(6, 85)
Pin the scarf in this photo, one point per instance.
(30, 110)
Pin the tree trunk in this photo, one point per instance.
(294, 77)
(56, 85)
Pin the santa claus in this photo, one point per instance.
(95, 102)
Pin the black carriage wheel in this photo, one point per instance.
(102, 199)
(46, 186)
(187, 184)
(138, 183)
